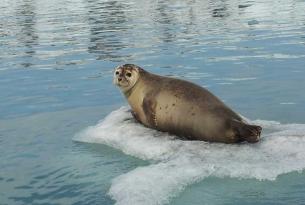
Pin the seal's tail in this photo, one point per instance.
(249, 133)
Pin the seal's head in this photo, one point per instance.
(126, 76)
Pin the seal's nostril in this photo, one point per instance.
(119, 79)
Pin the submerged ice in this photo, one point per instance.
(176, 163)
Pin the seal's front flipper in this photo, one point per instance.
(149, 108)
(135, 116)
(249, 133)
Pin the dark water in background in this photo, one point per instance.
(56, 62)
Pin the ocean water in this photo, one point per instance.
(66, 132)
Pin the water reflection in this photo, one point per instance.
(220, 12)
(107, 22)
(26, 33)
(166, 22)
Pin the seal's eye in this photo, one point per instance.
(128, 75)
(117, 73)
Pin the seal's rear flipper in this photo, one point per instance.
(249, 133)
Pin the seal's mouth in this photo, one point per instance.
(121, 82)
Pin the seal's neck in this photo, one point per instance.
(128, 92)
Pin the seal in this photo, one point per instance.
(181, 108)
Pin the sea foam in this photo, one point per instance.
(176, 164)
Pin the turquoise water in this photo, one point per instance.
(56, 63)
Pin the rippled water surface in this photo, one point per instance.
(56, 62)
